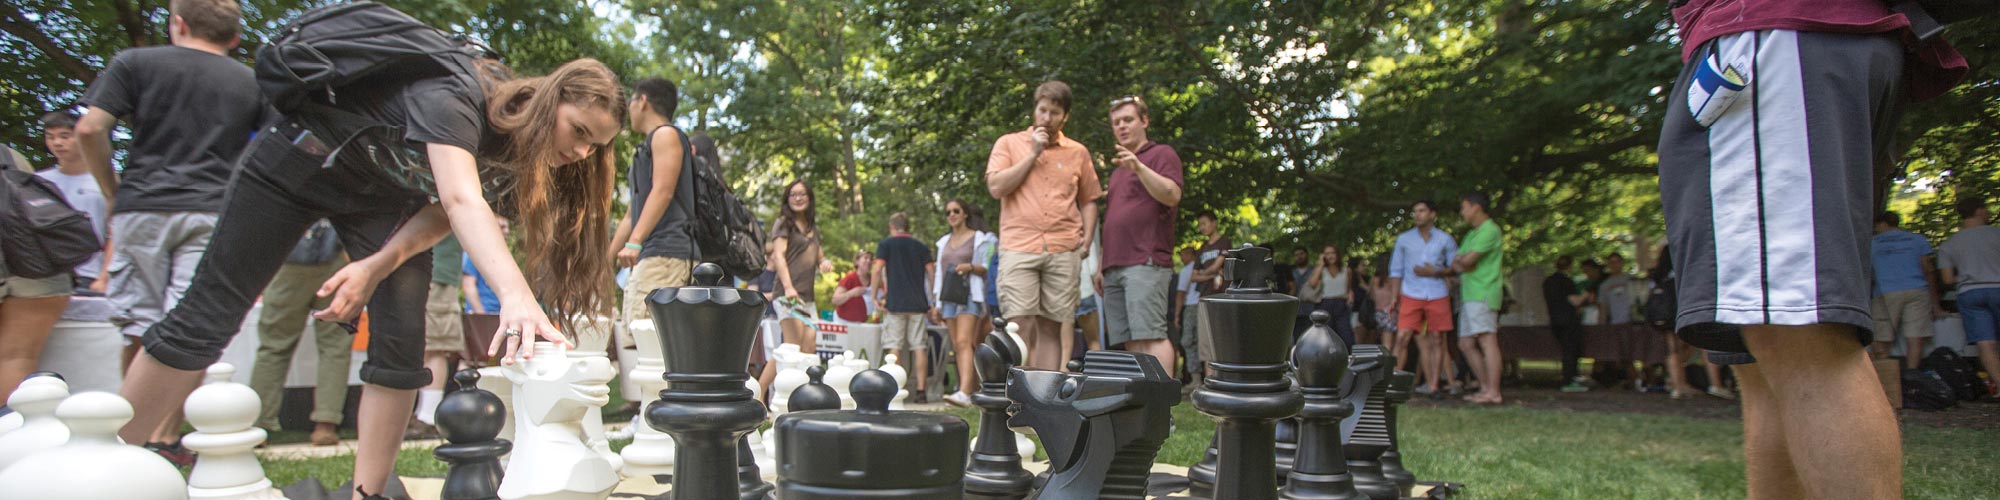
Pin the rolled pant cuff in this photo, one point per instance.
(177, 357)
(395, 379)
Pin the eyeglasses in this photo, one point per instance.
(953, 211)
(801, 195)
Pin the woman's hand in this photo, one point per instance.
(351, 287)
(521, 321)
(963, 269)
(792, 294)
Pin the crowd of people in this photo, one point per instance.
(400, 192)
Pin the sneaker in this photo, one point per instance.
(180, 456)
(416, 430)
(1678, 394)
(1576, 387)
(1424, 390)
(958, 399)
(1722, 392)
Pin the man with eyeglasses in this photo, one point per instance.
(1048, 193)
(1139, 235)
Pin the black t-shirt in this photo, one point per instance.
(403, 116)
(191, 113)
(671, 237)
(905, 258)
(1556, 291)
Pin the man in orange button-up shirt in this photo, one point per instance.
(1048, 195)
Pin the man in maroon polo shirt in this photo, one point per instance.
(1767, 199)
(1139, 235)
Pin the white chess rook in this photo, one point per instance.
(93, 465)
(552, 460)
(224, 415)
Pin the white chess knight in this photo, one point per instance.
(36, 400)
(551, 394)
(224, 415)
(651, 452)
(593, 337)
(93, 465)
(791, 374)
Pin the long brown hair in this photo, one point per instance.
(560, 208)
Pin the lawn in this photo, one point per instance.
(1525, 453)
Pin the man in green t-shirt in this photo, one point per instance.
(1479, 260)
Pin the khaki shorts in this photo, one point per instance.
(903, 331)
(1479, 319)
(1040, 284)
(35, 288)
(444, 326)
(652, 273)
(1903, 312)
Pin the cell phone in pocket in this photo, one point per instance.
(311, 144)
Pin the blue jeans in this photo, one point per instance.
(1980, 310)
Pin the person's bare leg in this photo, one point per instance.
(156, 392)
(1767, 463)
(1714, 374)
(169, 430)
(382, 415)
(1836, 421)
(1057, 347)
(1989, 356)
(764, 379)
(24, 329)
(1161, 349)
(1041, 346)
(1088, 323)
(1913, 352)
(1434, 355)
(1489, 346)
(1878, 350)
(1475, 360)
(131, 350)
(1067, 330)
(799, 333)
(964, 337)
(1677, 367)
(1400, 347)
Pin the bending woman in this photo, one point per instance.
(457, 148)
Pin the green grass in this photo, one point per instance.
(1521, 453)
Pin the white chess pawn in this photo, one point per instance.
(839, 374)
(791, 375)
(651, 452)
(764, 451)
(551, 459)
(36, 400)
(93, 465)
(902, 377)
(224, 415)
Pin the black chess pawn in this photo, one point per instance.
(1249, 332)
(470, 420)
(706, 330)
(1365, 434)
(814, 394)
(871, 452)
(1396, 392)
(1102, 426)
(994, 471)
(1320, 470)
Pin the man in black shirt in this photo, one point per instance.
(191, 110)
(1559, 291)
(903, 266)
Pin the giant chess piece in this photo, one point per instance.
(1103, 426)
(552, 459)
(224, 415)
(871, 452)
(1397, 391)
(706, 330)
(470, 420)
(995, 471)
(815, 394)
(93, 465)
(1319, 471)
(1365, 434)
(13, 419)
(35, 400)
(791, 373)
(651, 453)
(592, 338)
(1288, 445)
(1249, 331)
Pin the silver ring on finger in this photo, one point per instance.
(511, 332)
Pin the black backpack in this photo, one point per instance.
(1961, 374)
(40, 234)
(724, 229)
(333, 46)
(1661, 305)
(1923, 390)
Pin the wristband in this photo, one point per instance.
(631, 245)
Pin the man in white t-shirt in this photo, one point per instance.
(73, 177)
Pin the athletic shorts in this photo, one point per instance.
(1769, 208)
(1420, 315)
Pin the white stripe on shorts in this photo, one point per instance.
(1765, 264)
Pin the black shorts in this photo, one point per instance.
(1769, 208)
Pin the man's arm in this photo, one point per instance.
(1466, 261)
(1089, 210)
(470, 285)
(1163, 189)
(93, 140)
(1930, 279)
(1002, 183)
(846, 293)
